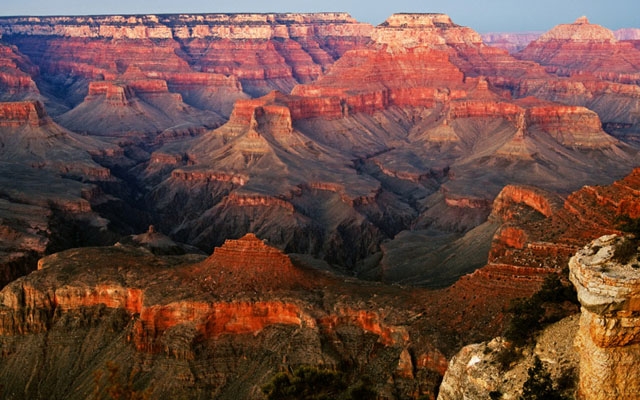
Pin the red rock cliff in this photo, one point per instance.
(14, 114)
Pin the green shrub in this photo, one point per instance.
(625, 251)
(529, 313)
(539, 385)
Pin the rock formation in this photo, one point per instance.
(492, 370)
(563, 50)
(140, 105)
(606, 277)
(245, 308)
(16, 76)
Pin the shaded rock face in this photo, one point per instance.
(16, 76)
(609, 335)
(48, 181)
(15, 114)
(245, 308)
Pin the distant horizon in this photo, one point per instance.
(489, 16)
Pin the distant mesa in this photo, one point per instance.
(158, 243)
(579, 31)
(432, 30)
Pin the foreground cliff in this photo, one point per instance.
(219, 327)
(606, 276)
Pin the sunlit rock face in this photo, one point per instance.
(608, 341)
(261, 52)
(246, 307)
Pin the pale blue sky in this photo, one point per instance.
(481, 15)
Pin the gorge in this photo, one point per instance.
(220, 198)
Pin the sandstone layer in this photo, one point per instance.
(609, 334)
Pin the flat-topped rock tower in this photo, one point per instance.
(606, 274)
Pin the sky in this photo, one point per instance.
(481, 15)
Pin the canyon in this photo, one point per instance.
(372, 198)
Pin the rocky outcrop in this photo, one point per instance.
(607, 280)
(15, 114)
(410, 30)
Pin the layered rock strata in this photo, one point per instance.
(584, 48)
(608, 286)
(228, 52)
(245, 308)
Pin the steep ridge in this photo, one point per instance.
(245, 308)
(16, 75)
